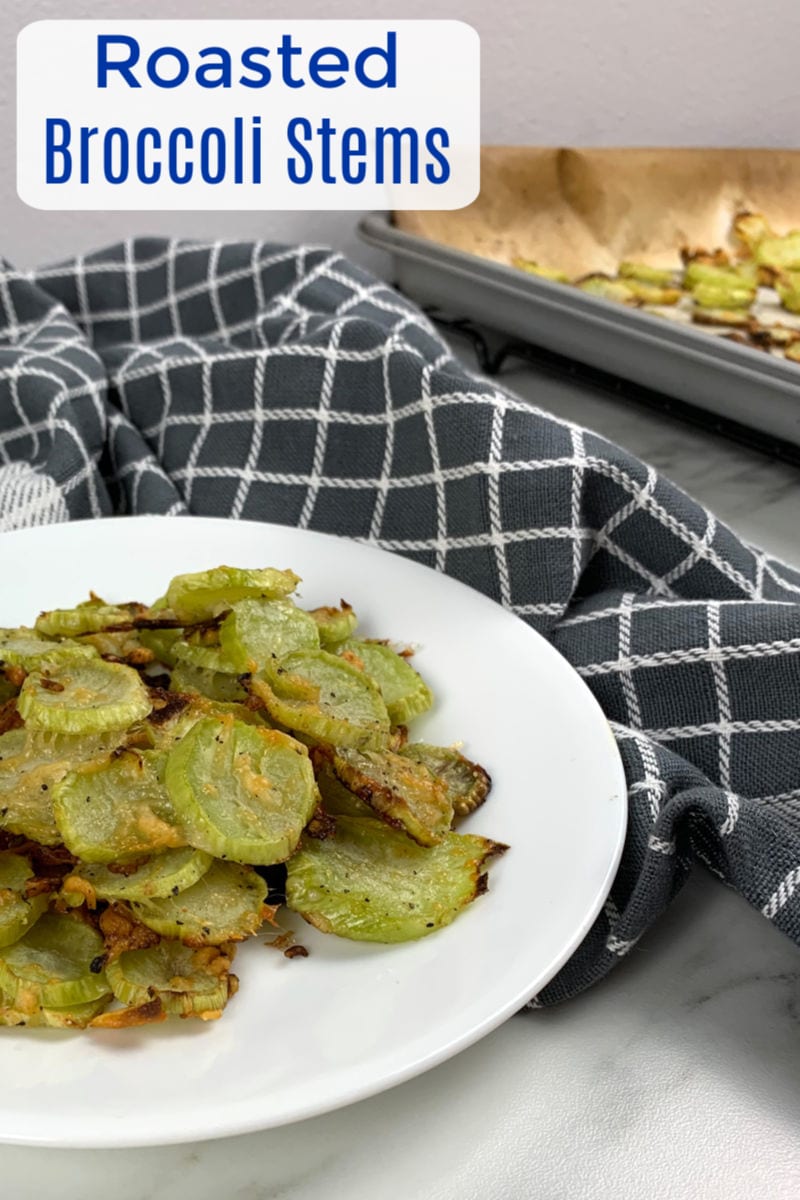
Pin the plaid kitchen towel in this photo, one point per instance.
(284, 384)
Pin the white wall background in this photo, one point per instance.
(557, 72)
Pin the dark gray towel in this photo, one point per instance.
(284, 384)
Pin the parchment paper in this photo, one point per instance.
(585, 210)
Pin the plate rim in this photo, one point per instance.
(236, 1125)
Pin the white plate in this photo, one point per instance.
(304, 1036)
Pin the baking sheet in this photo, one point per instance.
(586, 210)
(732, 381)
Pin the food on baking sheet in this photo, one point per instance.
(750, 295)
(787, 285)
(534, 268)
(156, 761)
(657, 276)
(727, 294)
(727, 318)
(606, 287)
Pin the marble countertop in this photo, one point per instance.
(677, 1077)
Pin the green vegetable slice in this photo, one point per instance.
(225, 905)
(27, 779)
(606, 287)
(256, 631)
(372, 883)
(334, 624)
(400, 791)
(467, 782)
(162, 643)
(166, 730)
(111, 810)
(711, 274)
(405, 693)
(336, 798)
(31, 766)
(52, 964)
(83, 697)
(781, 253)
(162, 875)
(657, 276)
(729, 317)
(214, 684)
(28, 649)
(17, 912)
(241, 792)
(326, 698)
(787, 285)
(123, 645)
(240, 712)
(204, 657)
(650, 293)
(205, 594)
(726, 296)
(188, 982)
(75, 1016)
(86, 618)
(750, 228)
(534, 268)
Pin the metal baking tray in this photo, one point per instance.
(731, 381)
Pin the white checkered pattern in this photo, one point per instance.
(283, 384)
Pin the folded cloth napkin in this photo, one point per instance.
(284, 384)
